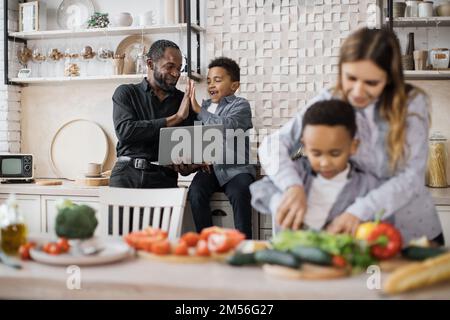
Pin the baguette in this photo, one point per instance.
(418, 275)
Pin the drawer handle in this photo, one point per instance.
(219, 213)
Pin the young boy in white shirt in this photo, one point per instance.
(331, 180)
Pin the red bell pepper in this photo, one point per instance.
(385, 241)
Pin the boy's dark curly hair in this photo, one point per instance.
(331, 113)
(229, 65)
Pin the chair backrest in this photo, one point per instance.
(123, 210)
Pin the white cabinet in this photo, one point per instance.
(29, 207)
(444, 216)
(49, 211)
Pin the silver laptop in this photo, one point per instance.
(191, 144)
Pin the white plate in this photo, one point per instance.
(76, 144)
(74, 13)
(114, 250)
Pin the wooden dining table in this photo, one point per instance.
(140, 278)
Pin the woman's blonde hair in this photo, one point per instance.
(382, 48)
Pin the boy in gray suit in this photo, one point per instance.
(232, 177)
(331, 180)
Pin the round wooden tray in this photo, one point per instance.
(184, 259)
(75, 144)
(130, 47)
(306, 271)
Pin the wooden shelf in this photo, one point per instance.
(120, 78)
(421, 22)
(427, 74)
(113, 31)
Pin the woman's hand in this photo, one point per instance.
(345, 223)
(292, 209)
(194, 104)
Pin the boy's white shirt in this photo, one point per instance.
(322, 196)
(213, 107)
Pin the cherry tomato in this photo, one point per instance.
(206, 232)
(63, 244)
(161, 247)
(339, 261)
(181, 249)
(202, 249)
(219, 242)
(24, 250)
(54, 249)
(191, 238)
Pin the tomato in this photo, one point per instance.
(219, 242)
(46, 247)
(53, 249)
(206, 232)
(191, 238)
(339, 261)
(161, 247)
(235, 237)
(202, 249)
(364, 230)
(24, 250)
(181, 249)
(63, 244)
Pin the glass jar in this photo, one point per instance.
(141, 64)
(436, 175)
(439, 58)
(13, 229)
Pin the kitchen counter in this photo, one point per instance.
(441, 196)
(145, 279)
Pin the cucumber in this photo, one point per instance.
(421, 253)
(312, 255)
(242, 259)
(277, 257)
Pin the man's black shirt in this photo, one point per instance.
(138, 116)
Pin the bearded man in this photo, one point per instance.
(140, 111)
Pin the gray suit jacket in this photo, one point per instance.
(233, 113)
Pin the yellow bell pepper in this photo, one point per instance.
(365, 229)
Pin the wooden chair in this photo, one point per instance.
(123, 210)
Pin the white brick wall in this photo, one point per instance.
(10, 114)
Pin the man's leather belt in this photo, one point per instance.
(139, 163)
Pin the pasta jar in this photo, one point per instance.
(436, 175)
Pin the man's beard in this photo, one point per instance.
(161, 83)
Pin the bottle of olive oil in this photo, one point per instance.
(13, 229)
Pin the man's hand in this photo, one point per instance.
(187, 169)
(194, 104)
(292, 209)
(345, 223)
(183, 111)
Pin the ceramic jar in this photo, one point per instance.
(426, 9)
(439, 58)
(123, 19)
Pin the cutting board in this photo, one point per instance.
(183, 259)
(306, 271)
(92, 182)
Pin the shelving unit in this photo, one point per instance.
(416, 22)
(188, 27)
(420, 22)
(121, 78)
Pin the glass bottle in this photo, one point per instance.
(141, 64)
(410, 47)
(13, 229)
(436, 175)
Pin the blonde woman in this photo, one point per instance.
(393, 122)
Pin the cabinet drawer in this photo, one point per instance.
(49, 210)
(444, 217)
(30, 208)
(265, 221)
(265, 234)
(222, 214)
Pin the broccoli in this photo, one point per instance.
(75, 221)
